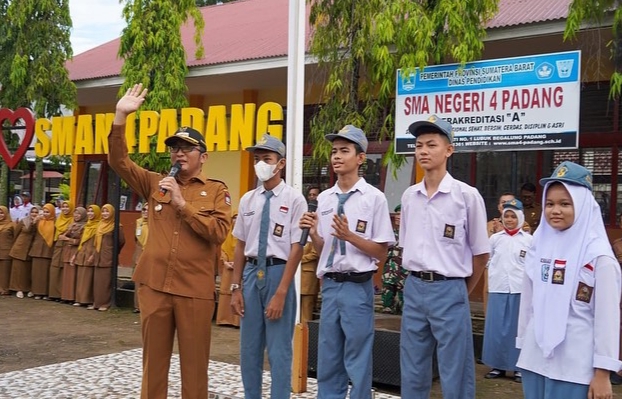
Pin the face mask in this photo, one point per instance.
(264, 171)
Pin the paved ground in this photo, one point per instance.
(51, 350)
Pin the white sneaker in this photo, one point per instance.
(30, 295)
(19, 294)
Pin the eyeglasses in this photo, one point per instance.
(184, 149)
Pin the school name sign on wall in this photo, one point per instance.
(519, 103)
(225, 129)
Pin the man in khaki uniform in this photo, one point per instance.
(532, 209)
(309, 283)
(175, 273)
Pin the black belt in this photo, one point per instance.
(353, 277)
(431, 276)
(271, 261)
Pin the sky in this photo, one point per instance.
(95, 22)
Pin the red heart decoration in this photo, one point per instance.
(25, 114)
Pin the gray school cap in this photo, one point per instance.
(269, 143)
(350, 133)
(433, 124)
(572, 173)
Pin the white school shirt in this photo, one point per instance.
(442, 234)
(286, 208)
(506, 267)
(368, 216)
(592, 334)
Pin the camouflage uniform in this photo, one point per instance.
(393, 281)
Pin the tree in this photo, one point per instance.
(4, 169)
(35, 45)
(154, 55)
(360, 44)
(595, 11)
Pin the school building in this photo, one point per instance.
(238, 91)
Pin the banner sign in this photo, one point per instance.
(508, 104)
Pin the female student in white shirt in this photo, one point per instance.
(569, 322)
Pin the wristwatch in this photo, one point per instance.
(234, 287)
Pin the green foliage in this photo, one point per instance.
(64, 190)
(594, 11)
(154, 55)
(360, 44)
(35, 45)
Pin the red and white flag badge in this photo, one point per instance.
(227, 198)
(284, 209)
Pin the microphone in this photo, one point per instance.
(174, 172)
(305, 231)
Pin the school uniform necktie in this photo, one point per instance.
(342, 244)
(263, 241)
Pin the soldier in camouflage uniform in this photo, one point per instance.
(393, 274)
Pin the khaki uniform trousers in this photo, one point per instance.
(160, 315)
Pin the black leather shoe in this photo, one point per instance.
(615, 378)
(518, 377)
(494, 373)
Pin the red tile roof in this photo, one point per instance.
(522, 12)
(257, 29)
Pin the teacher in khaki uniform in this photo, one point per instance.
(175, 273)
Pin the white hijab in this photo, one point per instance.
(578, 245)
(520, 217)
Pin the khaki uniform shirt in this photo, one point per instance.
(532, 216)
(73, 233)
(309, 283)
(104, 257)
(183, 248)
(617, 249)
(23, 240)
(84, 253)
(7, 236)
(39, 248)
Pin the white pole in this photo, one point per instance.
(295, 104)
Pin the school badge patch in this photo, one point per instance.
(278, 230)
(544, 272)
(361, 226)
(522, 253)
(584, 292)
(227, 198)
(559, 272)
(260, 274)
(450, 231)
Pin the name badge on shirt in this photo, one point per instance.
(584, 292)
(450, 231)
(278, 230)
(361, 226)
